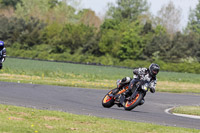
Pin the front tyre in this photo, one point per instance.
(108, 100)
(129, 105)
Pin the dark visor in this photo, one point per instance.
(155, 71)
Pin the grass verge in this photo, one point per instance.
(189, 110)
(20, 119)
(88, 76)
(162, 86)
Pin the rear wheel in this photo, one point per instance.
(108, 100)
(129, 105)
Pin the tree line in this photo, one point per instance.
(59, 30)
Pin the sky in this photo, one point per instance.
(100, 6)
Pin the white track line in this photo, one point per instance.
(182, 115)
(167, 110)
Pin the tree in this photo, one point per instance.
(185, 47)
(193, 48)
(193, 30)
(158, 44)
(194, 20)
(111, 35)
(31, 34)
(46, 10)
(132, 43)
(7, 7)
(73, 37)
(88, 17)
(169, 17)
(92, 46)
(110, 24)
(179, 47)
(53, 3)
(127, 9)
(12, 3)
(110, 42)
(17, 30)
(7, 11)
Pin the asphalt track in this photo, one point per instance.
(88, 102)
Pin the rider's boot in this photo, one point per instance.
(119, 86)
(122, 83)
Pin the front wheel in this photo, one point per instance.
(108, 100)
(129, 105)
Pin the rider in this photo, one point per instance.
(145, 74)
(2, 53)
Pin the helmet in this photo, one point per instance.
(1, 45)
(154, 69)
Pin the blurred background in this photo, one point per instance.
(110, 32)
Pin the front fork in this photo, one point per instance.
(132, 88)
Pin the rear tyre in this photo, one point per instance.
(108, 100)
(129, 105)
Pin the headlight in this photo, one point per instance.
(145, 87)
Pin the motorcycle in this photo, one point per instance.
(118, 97)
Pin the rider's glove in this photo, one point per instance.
(152, 86)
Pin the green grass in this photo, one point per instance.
(179, 77)
(51, 69)
(27, 120)
(190, 110)
(88, 76)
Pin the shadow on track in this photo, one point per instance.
(121, 109)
